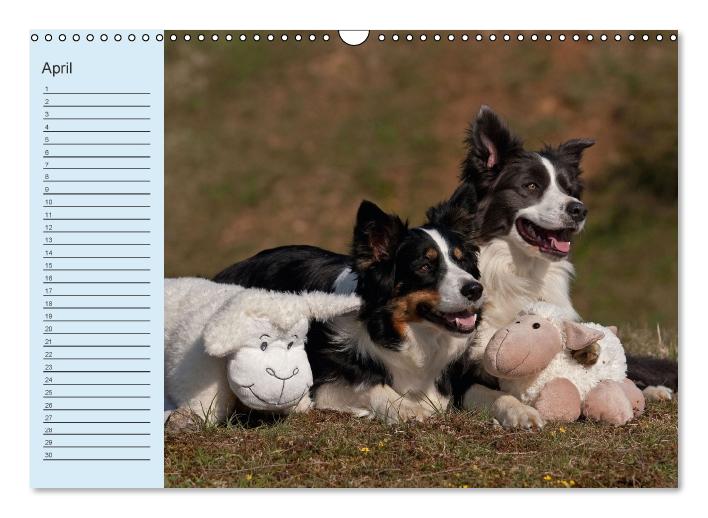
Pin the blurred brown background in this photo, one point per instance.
(273, 143)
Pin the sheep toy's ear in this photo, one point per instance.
(579, 336)
(230, 328)
(324, 306)
(613, 330)
(300, 328)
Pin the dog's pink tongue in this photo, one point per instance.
(561, 246)
(468, 321)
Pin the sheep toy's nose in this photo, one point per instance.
(282, 378)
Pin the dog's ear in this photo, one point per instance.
(490, 145)
(376, 235)
(571, 151)
(457, 213)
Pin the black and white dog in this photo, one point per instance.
(421, 299)
(530, 209)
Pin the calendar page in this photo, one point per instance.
(386, 258)
(97, 211)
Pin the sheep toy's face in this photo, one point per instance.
(270, 371)
(522, 348)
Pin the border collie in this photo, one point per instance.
(421, 299)
(529, 212)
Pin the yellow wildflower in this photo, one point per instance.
(547, 477)
(364, 449)
(249, 476)
(561, 429)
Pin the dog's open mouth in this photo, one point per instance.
(553, 242)
(462, 322)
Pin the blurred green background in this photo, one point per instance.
(273, 143)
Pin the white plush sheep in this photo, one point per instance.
(224, 342)
(533, 361)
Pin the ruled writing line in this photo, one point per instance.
(96, 118)
(95, 93)
(95, 156)
(81, 460)
(94, 168)
(98, 347)
(96, 105)
(97, 384)
(97, 358)
(96, 269)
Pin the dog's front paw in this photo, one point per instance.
(510, 413)
(304, 405)
(658, 393)
(183, 420)
(406, 409)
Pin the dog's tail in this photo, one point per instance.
(645, 371)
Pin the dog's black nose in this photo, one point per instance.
(577, 211)
(472, 290)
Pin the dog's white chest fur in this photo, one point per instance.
(416, 367)
(512, 280)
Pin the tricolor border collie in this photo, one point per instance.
(530, 210)
(421, 301)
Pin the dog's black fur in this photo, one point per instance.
(289, 268)
(645, 371)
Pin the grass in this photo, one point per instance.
(453, 450)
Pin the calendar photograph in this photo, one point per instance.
(421, 259)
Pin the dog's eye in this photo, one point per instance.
(290, 345)
(264, 346)
(531, 186)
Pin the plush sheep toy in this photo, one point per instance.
(532, 359)
(224, 342)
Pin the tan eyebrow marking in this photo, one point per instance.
(457, 253)
(431, 253)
